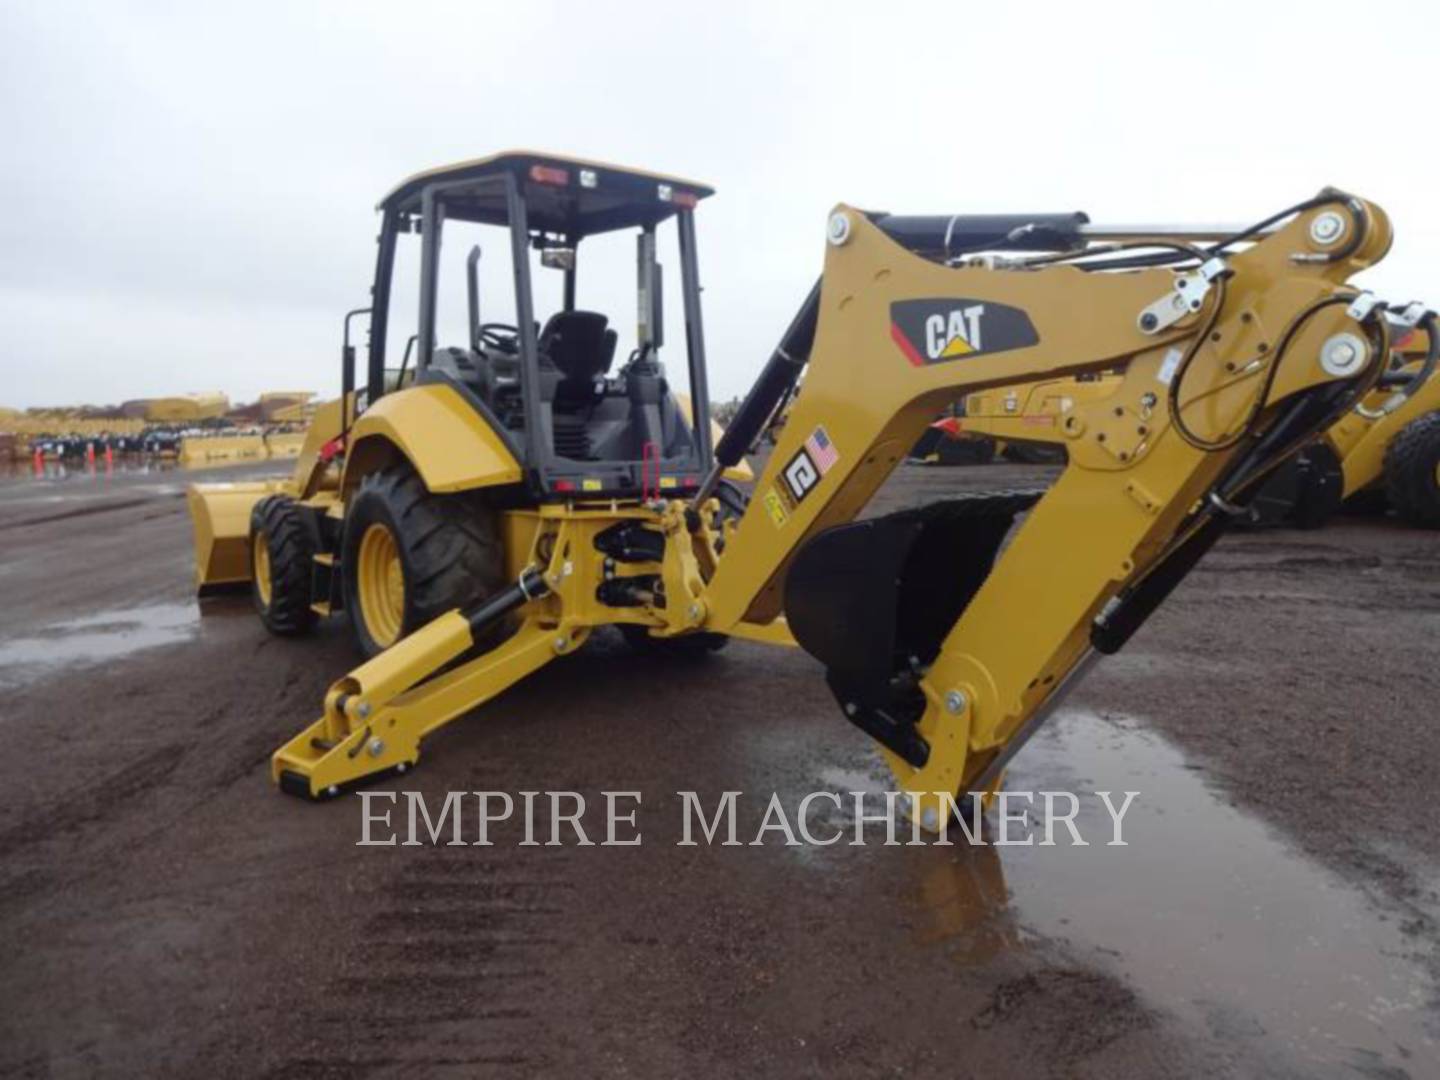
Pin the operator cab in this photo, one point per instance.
(577, 419)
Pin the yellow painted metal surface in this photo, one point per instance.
(1046, 412)
(260, 566)
(380, 582)
(436, 430)
(1036, 412)
(220, 520)
(313, 471)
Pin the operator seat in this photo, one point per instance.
(581, 347)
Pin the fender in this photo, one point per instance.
(451, 446)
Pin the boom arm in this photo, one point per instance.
(1266, 350)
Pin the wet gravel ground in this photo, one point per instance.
(166, 913)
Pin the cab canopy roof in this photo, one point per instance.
(562, 195)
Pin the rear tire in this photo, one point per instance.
(1412, 472)
(281, 564)
(408, 556)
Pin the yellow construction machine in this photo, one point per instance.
(481, 513)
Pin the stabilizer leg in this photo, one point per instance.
(376, 716)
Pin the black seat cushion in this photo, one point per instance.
(578, 344)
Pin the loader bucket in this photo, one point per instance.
(874, 600)
(220, 515)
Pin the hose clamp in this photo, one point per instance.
(1407, 319)
(520, 582)
(1363, 306)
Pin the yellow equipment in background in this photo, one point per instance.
(200, 450)
(1390, 443)
(481, 513)
(182, 409)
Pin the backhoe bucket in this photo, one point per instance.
(874, 600)
(220, 515)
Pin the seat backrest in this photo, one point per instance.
(578, 344)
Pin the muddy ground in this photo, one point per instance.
(166, 913)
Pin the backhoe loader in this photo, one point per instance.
(481, 515)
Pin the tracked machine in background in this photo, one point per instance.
(481, 517)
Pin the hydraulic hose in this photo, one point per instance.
(1405, 385)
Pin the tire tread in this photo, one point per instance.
(1410, 463)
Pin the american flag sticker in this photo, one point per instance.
(821, 450)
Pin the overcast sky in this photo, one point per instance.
(188, 188)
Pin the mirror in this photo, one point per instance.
(558, 258)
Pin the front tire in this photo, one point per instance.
(282, 551)
(409, 556)
(1412, 472)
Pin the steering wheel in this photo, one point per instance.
(502, 336)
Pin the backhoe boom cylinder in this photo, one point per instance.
(941, 236)
(778, 377)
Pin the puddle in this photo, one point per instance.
(76, 469)
(94, 639)
(1207, 912)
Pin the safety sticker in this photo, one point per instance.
(775, 508)
(812, 461)
(1168, 366)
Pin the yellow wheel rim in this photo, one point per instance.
(260, 564)
(381, 584)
